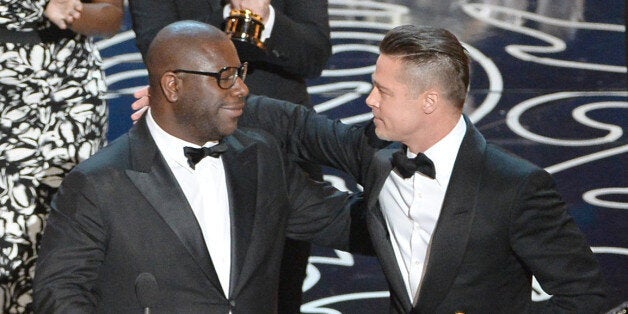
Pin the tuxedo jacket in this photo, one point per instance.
(298, 48)
(501, 221)
(122, 213)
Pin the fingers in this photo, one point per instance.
(78, 6)
(141, 92)
(61, 24)
(73, 16)
(63, 12)
(259, 7)
(140, 103)
(138, 114)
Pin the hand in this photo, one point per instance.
(259, 7)
(63, 12)
(141, 104)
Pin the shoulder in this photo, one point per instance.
(116, 155)
(252, 136)
(257, 103)
(511, 167)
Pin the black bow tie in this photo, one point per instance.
(408, 166)
(194, 155)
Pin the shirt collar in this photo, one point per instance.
(171, 147)
(443, 153)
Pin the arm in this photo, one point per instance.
(100, 18)
(323, 215)
(549, 242)
(150, 16)
(299, 40)
(312, 137)
(301, 37)
(303, 134)
(72, 249)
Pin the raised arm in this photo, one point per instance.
(300, 40)
(309, 136)
(150, 16)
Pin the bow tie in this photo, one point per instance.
(407, 166)
(194, 155)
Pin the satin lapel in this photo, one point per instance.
(451, 235)
(241, 169)
(379, 172)
(155, 181)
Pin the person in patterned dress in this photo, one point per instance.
(52, 115)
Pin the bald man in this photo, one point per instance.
(184, 214)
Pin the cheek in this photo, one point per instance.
(225, 121)
(399, 116)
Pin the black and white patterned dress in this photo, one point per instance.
(52, 116)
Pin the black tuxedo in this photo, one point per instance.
(501, 222)
(121, 213)
(297, 50)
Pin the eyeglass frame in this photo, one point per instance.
(241, 72)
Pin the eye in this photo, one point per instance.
(383, 93)
(228, 75)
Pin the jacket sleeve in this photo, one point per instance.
(550, 243)
(300, 41)
(308, 136)
(72, 249)
(149, 17)
(323, 215)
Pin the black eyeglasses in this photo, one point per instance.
(226, 77)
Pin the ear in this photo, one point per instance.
(430, 101)
(170, 86)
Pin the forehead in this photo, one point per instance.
(388, 69)
(217, 55)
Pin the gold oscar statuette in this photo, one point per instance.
(246, 26)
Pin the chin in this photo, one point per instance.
(229, 130)
(381, 135)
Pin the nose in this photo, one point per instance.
(239, 88)
(372, 101)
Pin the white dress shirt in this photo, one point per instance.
(206, 191)
(412, 206)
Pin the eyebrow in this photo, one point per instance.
(379, 86)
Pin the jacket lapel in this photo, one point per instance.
(381, 167)
(241, 169)
(450, 237)
(153, 178)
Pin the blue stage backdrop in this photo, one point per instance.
(548, 83)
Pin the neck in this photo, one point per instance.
(169, 125)
(427, 137)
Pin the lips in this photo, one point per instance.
(239, 106)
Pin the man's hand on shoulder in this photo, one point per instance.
(141, 104)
